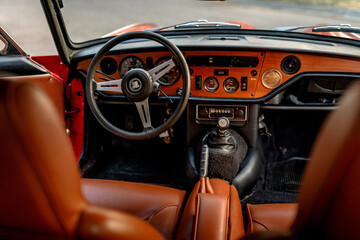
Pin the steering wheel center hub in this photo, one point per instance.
(137, 85)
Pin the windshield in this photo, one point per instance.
(90, 19)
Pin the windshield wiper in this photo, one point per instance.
(293, 28)
(198, 24)
(205, 24)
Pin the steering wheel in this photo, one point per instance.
(137, 85)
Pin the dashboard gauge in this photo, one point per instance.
(271, 78)
(129, 63)
(231, 85)
(211, 84)
(108, 65)
(172, 76)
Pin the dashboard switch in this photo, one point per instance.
(244, 83)
(221, 72)
(198, 82)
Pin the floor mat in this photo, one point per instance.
(282, 182)
(145, 163)
(285, 176)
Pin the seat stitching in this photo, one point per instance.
(161, 209)
(261, 224)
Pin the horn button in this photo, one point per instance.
(137, 85)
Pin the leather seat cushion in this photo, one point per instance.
(269, 217)
(159, 206)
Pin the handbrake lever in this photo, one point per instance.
(205, 185)
(204, 161)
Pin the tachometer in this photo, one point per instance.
(231, 85)
(172, 76)
(211, 84)
(129, 63)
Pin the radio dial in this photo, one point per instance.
(239, 113)
(204, 113)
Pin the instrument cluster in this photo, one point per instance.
(109, 66)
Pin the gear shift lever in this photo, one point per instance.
(226, 150)
(221, 138)
(223, 124)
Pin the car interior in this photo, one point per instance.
(180, 134)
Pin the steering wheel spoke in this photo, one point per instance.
(144, 112)
(157, 72)
(112, 85)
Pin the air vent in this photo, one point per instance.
(108, 65)
(290, 65)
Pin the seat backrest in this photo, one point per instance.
(330, 194)
(40, 196)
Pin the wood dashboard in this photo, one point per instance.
(253, 74)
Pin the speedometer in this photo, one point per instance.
(129, 63)
(172, 76)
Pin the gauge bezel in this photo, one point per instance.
(113, 61)
(177, 78)
(293, 71)
(231, 78)
(125, 58)
(265, 73)
(204, 84)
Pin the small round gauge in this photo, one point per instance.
(172, 76)
(271, 78)
(211, 84)
(231, 85)
(108, 65)
(129, 63)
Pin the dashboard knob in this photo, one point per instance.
(204, 113)
(239, 113)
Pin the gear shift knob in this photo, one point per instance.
(223, 124)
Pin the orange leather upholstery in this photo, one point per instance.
(52, 86)
(271, 217)
(39, 183)
(159, 206)
(213, 211)
(211, 216)
(330, 194)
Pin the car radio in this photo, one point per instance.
(212, 112)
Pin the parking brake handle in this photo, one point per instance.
(204, 161)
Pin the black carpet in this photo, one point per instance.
(284, 176)
(281, 183)
(146, 162)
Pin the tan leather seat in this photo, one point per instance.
(330, 193)
(40, 193)
(271, 217)
(159, 206)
